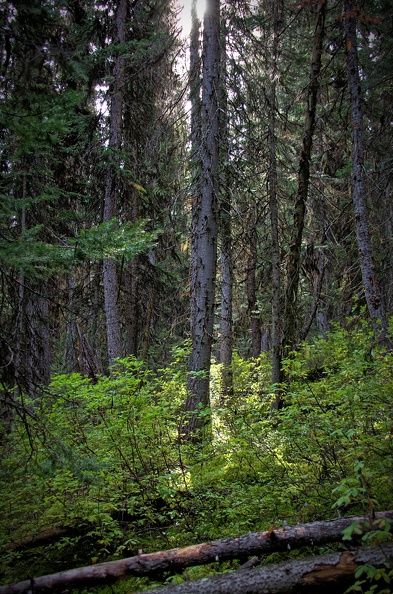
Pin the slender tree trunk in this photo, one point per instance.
(19, 326)
(33, 356)
(131, 318)
(294, 256)
(372, 290)
(318, 274)
(70, 346)
(89, 364)
(387, 282)
(322, 318)
(148, 323)
(204, 232)
(131, 306)
(226, 234)
(321, 274)
(196, 104)
(111, 287)
(226, 346)
(251, 286)
(195, 137)
(38, 344)
(273, 205)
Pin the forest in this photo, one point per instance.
(196, 268)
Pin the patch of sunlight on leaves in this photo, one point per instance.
(107, 455)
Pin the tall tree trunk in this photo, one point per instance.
(130, 284)
(37, 341)
(225, 234)
(195, 137)
(70, 344)
(372, 290)
(251, 287)
(33, 352)
(316, 269)
(148, 323)
(19, 324)
(294, 256)
(226, 346)
(273, 205)
(111, 287)
(204, 232)
(131, 317)
(196, 104)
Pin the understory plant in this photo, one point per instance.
(105, 460)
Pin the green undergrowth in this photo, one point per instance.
(104, 459)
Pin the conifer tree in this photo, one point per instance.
(374, 297)
(111, 286)
(204, 231)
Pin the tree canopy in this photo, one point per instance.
(196, 264)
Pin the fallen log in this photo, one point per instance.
(51, 535)
(331, 573)
(41, 538)
(281, 539)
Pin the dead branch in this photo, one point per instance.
(282, 539)
(41, 538)
(331, 573)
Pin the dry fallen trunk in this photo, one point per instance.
(282, 539)
(42, 538)
(331, 573)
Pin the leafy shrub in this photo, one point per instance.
(106, 458)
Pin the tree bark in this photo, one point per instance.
(131, 305)
(39, 539)
(226, 344)
(372, 289)
(318, 274)
(204, 231)
(251, 285)
(37, 340)
(294, 256)
(282, 539)
(195, 138)
(195, 98)
(33, 344)
(331, 573)
(111, 287)
(276, 8)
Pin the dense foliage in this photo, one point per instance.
(223, 231)
(104, 457)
